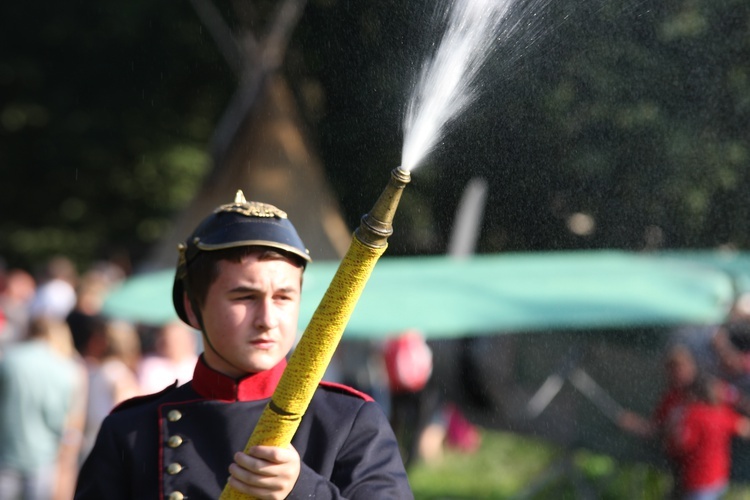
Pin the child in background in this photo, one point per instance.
(700, 441)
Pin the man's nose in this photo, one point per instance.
(265, 314)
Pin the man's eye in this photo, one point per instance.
(242, 298)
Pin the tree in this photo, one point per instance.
(105, 113)
(600, 125)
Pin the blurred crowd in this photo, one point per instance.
(398, 372)
(64, 366)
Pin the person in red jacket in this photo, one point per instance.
(682, 372)
(700, 441)
(408, 366)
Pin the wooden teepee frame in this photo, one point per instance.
(259, 145)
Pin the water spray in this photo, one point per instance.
(444, 90)
(447, 83)
(445, 86)
(283, 414)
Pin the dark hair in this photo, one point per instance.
(204, 269)
(739, 333)
(704, 388)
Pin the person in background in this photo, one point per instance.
(239, 281)
(15, 301)
(408, 364)
(112, 357)
(700, 441)
(681, 371)
(174, 357)
(730, 343)
(56, 295)
(85, 317)
(733, 361)
(42, 400)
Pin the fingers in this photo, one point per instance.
(266, 472)
(272, 454)
(258, 485)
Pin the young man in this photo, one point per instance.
(239, 281)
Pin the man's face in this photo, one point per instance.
(250, 314)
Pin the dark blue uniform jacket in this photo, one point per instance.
(178, 444)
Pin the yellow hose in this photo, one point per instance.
(282, 415)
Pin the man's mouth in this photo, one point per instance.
(262, 343)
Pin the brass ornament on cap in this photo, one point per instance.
(232, 225)
(251, 208)
(181, 259)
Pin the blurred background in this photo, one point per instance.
(631, 117)
(599, 126)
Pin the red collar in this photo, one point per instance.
(213, 385)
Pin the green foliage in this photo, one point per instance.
(633, 114)
(628, 113)
(105, 113)
(514, 466)
(501, 468)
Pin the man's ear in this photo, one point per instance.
(190, 312)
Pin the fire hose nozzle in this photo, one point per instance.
(377, 225)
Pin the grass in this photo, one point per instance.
(501, 467)
(508, 466)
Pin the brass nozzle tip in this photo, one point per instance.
(377, 225)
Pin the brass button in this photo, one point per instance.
(176, 495)
(174, 441)
(174, 468)
(174, 415)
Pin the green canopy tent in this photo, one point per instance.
(613, 310)
(488, 294)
